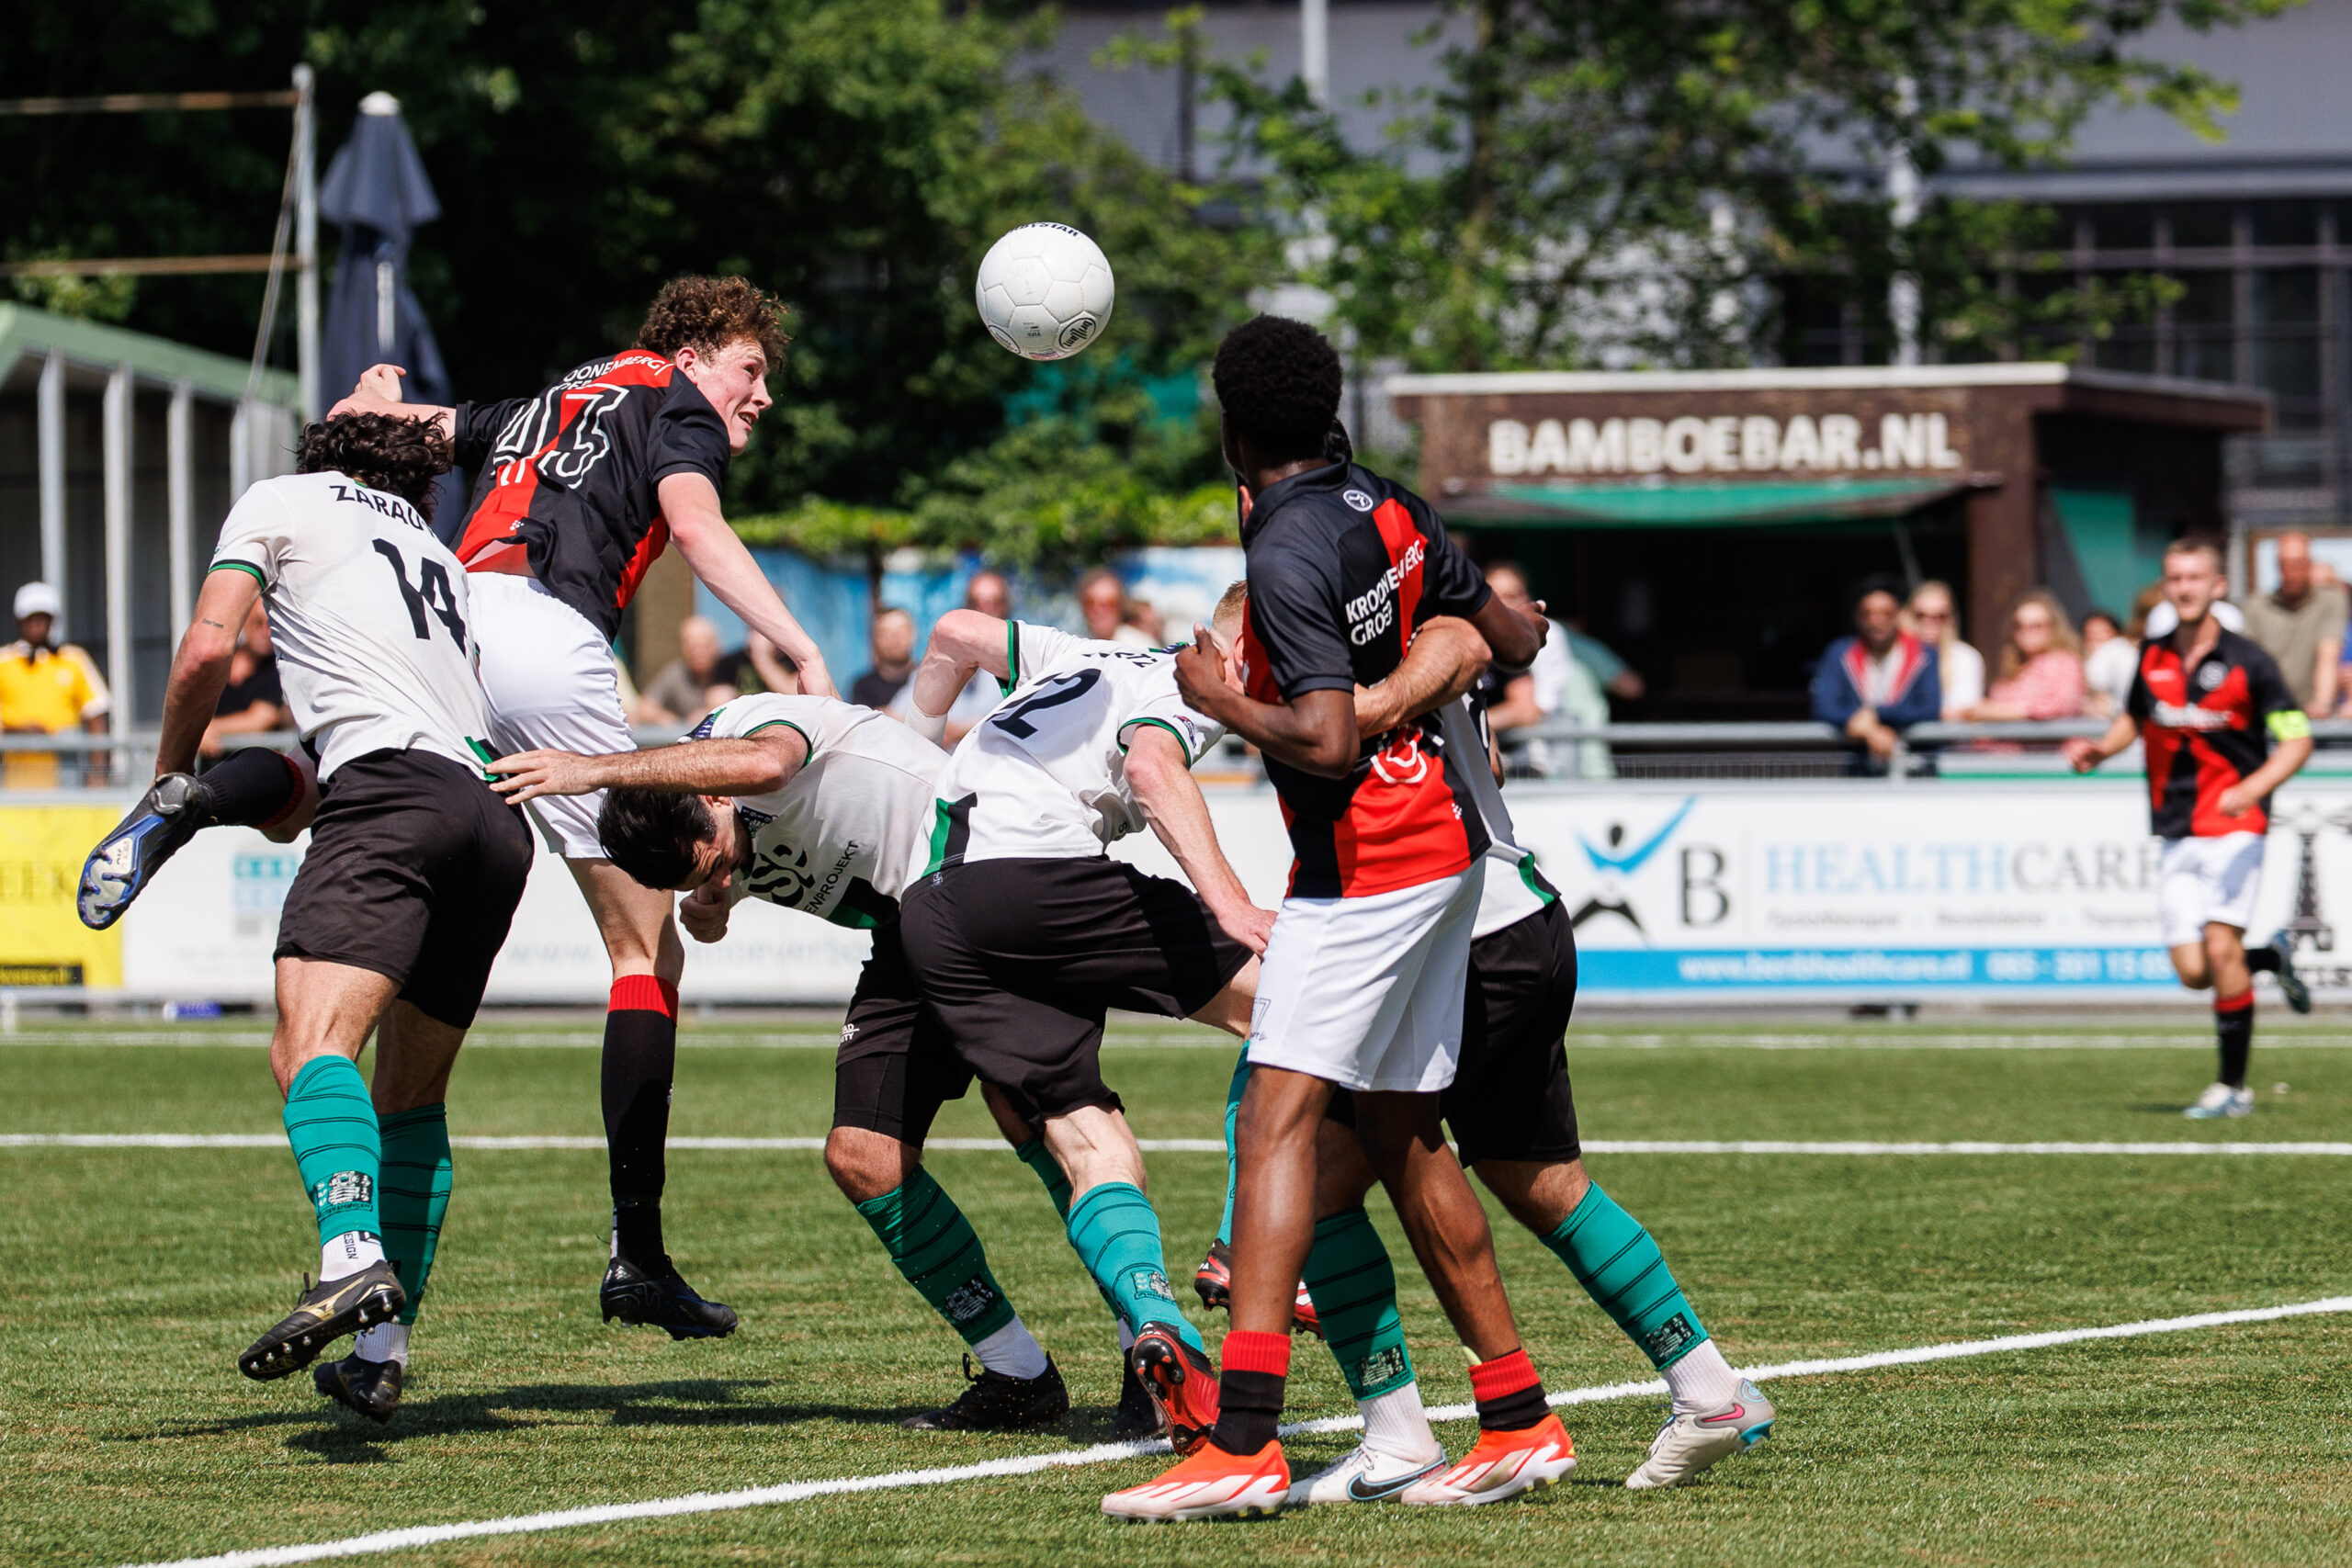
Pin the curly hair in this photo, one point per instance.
(705, 314)
(389, 452)
(1279, 383)
(652, 834)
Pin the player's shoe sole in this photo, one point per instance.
(1213, 1281)
(126, 859)
(327, 1311)
(1364, 1474)
(1502, 1465)
(664, 1299)
(1181, 1384)
(2290, 985)
(995, 1403)
(1688, 1445)
(1210, 1484)
(371, 1388)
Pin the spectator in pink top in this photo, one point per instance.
(2041, 670)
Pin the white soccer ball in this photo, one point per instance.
(1044, 291)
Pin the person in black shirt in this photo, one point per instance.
(893, 638)
(253, 702)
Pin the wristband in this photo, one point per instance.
(931, 727)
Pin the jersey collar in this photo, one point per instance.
(1269, 501)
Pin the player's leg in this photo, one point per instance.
(2225, 958)
(254, 787)
(2227, 880)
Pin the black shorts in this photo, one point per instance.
(895, 1068)
(1022, 959)
(413, 871)
(1510, 1099)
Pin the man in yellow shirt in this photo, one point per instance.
(44, 689)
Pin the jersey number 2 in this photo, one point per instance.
(1059, 690)
(431, 591)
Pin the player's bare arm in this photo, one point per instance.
(756, 764)
(1171, 797)
(698, 528)
(1445, 660)
(200, 671)
(964, 643)
(2083, 754)
(1317, 734)
(1515, 637)
(2251, 791)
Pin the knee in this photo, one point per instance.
(1538, 1196)
(867, 1166)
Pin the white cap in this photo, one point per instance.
(39, 599)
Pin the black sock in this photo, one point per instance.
(2263, 960)
(1249, 1408)
(640, 1057)
(253, 788)
(2233, 1028)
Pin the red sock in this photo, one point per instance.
(1509, 1395)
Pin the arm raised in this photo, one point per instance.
(756, 764)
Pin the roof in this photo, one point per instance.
(1832, 378)
(1763, 503)
(30, 332)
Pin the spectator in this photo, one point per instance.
(1933, 617)
(1103, 600)
(2042, 666)
(894, 659)
(2300, 625)
(758, 666)
(990, 594)
(1143, 618)
(2109, 661)
(1557, 685)
(691, 684)
(1616, 678)
(1879, 680)
(44, 688)
(253, 702)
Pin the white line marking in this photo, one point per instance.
(1105, 1453)
(820, 1037)
(1217, 1146)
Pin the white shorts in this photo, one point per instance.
(1367, 992)
(548, 677)
(2208, 882)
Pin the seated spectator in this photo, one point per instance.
(2109, 661)
(2300, 625)
(1879, 680)
(46, 688)
(1933, 617)
(253, 702)
(2041, 667)
(691, 684)
(1557, 685)
(893, 641)
(990, 594)
(758, 666)
(1103, 600)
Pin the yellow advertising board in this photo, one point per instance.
(42, 942)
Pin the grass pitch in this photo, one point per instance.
(130, 1277)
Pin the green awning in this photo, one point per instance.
(1770, 503)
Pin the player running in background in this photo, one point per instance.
(1513, 1118)
(576, 490)
(413, 875)
(2220, 732)
(821, 807)
(1022, 934)
(1364, 975)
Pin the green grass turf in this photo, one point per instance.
(132, 1277)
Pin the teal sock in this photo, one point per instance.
(933, 1245)
(1621, 1268)
(415, 1196)
(1116, 1235)
(1035, 1156)
(330, 1122)
(1354, 1287)
(1233, 1164)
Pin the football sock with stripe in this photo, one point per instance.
(2234, 1029)
(1249, 1391)
(1116, 1235)
(1354, 1287)
(1621, 1268)
(1047, 1169)
(640, 1059)
(933, 1245)
(1509, 1395)
(254, 787)
(415, 1196)
(1232, 1165)
(331, 1123)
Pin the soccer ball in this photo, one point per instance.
(1044, 291)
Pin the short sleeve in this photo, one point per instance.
(1030, 650)
(689, 437)
(257, 534)
(475, 427)
(1590, 652)
(746, 716)
(2334, 605)
(1164, 709)
(1451, 584)
(1295, 621)
(2278, 709)
(2138, 701)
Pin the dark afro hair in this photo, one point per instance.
(389, 452)
(705, 314)
(1878, 584)
(1279, 383)
(652, 834)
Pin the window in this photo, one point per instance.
(2123, 228)
(2286, 222)
(2203, 225)
(2204, 346)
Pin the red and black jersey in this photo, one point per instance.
(572, 475)
(2206, 728)
(1344, 568)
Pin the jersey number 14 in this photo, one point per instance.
(432, 593)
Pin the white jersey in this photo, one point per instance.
(1515, 889)
(839, 839)
(1045, 777)
(370, 615)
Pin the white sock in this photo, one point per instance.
(1395, 1424)
(385, 1342)
(1701, 1380)
(349, 1253)
(1013, 1351)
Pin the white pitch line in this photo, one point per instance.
(1599, 1039)
(1105, 1453)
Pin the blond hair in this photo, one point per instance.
(2062, 631)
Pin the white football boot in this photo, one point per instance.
(1364, 1474)
(1695, 1441)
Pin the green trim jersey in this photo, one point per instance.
(840, 839)
(370, 615)
(1514, 888)
(1045, 776)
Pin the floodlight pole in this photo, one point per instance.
(306, 239)
(1314, 49)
